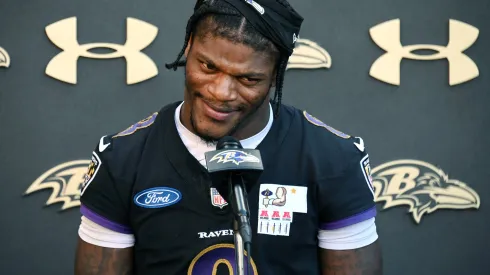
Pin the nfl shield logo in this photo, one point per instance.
(216, 199)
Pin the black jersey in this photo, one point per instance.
(145, 182)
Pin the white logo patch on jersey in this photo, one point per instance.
(277, 203)
(366, 171)
(216, 199)
(92, 170)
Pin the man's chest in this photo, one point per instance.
(193, 229)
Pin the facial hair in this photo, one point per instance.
(212, 141)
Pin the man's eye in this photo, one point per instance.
(250, 80)
(208, 66)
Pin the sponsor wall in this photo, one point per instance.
(410, 78)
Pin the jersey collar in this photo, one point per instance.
(187, 165)
(198, 148)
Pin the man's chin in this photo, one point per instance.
(210, 137)
(212, 133)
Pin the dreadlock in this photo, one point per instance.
(230, 24)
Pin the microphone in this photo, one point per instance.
(233, 171)
(231, 157)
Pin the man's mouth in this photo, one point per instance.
(217, 113)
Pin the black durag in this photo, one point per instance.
(279, 24)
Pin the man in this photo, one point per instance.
(149, 206)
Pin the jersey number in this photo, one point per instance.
(207, 262)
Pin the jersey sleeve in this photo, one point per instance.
(105, 193)
(346, 195)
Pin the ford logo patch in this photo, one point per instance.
(157, 197)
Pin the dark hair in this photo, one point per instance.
(231, 24)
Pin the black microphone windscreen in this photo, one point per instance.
(231, 158)
(228, 142)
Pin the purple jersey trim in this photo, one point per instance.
(91, 215)
(370, 213)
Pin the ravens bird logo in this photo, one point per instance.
(309, 55)
(4, 58)
(421, 186)
(234, 156)
(65, 180)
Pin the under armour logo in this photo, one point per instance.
(4, 58)
(139, 67)
(387, 67)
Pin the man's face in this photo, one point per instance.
(226, 84)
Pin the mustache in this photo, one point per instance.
(220, 106)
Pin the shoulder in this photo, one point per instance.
(129, 140)
(116, 156)
(134, 137)
(124, 147)
(334, 149)
(315, 125)
(119, 153)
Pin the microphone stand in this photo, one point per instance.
(223, 167)
(241, 224)
(239, 246)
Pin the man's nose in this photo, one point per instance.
(223, 88)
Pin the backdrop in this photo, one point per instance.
(409, 77)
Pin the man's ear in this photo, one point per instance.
(188, 48)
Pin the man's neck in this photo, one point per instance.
(249, 127)
(197, 147)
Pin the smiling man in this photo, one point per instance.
(150, 207)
